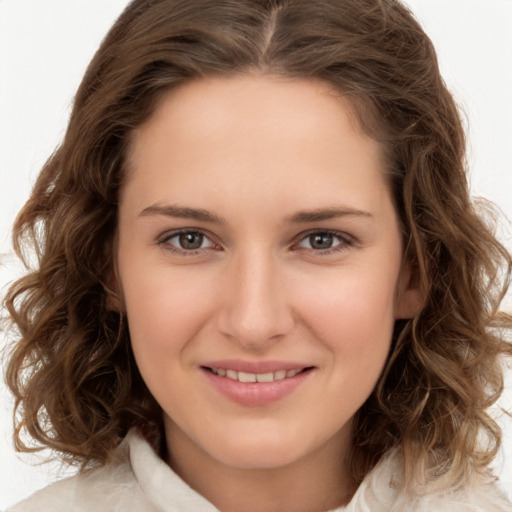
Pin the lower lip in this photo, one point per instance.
(256, 393)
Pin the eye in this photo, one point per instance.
(186, 241)
(325, 241)
(189, 241)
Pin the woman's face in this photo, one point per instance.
(260, 265)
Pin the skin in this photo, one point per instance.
(260, 154)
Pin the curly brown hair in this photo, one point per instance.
(71, 369)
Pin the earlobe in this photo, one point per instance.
(112, 284)
(114, 302)
(411, 294)
(112, 290)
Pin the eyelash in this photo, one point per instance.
(164, 241)
(345, 241)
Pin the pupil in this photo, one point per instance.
(321, 241)
(191, 240)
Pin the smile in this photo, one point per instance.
(256, 384)
(247, 377)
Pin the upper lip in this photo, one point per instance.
(240, 365)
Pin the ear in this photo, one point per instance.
(112, 284)
(411, 294)
(114, 300)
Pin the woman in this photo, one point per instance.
(258, 258)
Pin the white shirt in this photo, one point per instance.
(136, 479)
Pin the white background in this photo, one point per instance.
(46, 45)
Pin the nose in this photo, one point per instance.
(255, 310)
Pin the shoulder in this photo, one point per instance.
(135, 479)
(111, 487)
(474, 497)
(381, 492)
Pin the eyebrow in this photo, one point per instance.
(182, 212)
(301, 217)
(321, 214)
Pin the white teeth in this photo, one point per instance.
(231, 374)
(265, 377)
(280, 375)
(247, 377)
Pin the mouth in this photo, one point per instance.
(256, 384)
(248, 377)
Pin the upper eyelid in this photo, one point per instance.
(163, 240)
(341, 234)
(296, 239)
(175, 232)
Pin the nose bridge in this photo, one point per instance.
(256, 309)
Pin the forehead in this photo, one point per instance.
(250, 133)
(249, 102)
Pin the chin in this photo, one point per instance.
(259, 458)
(255, 452)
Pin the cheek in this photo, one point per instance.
(352, 312)
(165, 309)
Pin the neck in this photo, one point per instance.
(318, 482)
